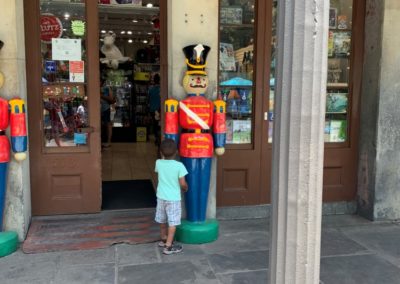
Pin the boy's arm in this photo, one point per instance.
(183, 184)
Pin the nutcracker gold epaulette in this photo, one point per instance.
(220, 106)
(17, 106)
(171, 105)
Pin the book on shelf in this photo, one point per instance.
(341, 42)
(226, 57)
(342, 23)
(229, 131)
(330, 44)
(335, 131)
(241, 131)
(336, 102)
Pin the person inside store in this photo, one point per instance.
(155, 107)
(106, 100)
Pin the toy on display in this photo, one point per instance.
(11, 112)
(113, 55)
(203, 129)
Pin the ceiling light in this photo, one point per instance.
(145, 41)
(103, 31)
(149, 5)
(135, 21)
(130, 41)
(129, 32)
(122, 32)
(66, 15)
(149, 33)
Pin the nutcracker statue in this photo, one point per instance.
(11, 112)
(203, 129)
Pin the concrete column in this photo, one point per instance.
(192, 22)
(298, 141)
(12, 64)
(379, 173)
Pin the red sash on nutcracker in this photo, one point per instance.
(196, 118)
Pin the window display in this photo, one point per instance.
(339, 51)
(65, 114)
(237, 32)
(338, 77)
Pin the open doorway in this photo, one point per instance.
(129, 34)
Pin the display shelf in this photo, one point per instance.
(337, 85)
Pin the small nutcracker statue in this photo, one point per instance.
(203, 129)
(11, 112)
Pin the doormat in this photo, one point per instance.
(91, 231)
(128, 194)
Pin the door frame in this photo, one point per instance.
(34, 101)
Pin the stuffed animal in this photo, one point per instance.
(111, 51)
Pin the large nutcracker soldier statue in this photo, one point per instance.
(203, 128)
(12, 111)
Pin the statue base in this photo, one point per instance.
(8, 243)
(197, 232)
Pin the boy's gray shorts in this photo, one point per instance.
(168, 211)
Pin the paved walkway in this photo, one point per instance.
(354, 250)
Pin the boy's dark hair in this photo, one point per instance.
(168, 148)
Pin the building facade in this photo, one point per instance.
(360, 151)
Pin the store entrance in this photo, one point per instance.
(130, 102)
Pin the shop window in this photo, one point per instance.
(339, 53)
(236, 76)
(338, 95)
(65, 114)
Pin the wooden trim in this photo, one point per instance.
(163, 58)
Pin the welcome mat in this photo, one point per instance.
(91, 231)
(128, 194)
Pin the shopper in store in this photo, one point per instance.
(106, 100)
(155, 107)
(171, 180)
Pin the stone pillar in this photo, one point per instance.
(190, 22)
(12, 64)
(379, 174)
(298, 141)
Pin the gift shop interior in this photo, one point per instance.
(130, 101)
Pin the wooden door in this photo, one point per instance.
(63, 106)
(341, 153)
(243, 171)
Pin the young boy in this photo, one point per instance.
(171, 180)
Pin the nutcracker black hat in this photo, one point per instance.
(196, 56)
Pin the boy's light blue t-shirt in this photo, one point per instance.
(169, 172)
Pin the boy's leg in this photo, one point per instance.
(163, 232)
(171, 235)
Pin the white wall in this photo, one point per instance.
(12, 64)
(193, 22)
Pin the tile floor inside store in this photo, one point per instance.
(129, 161)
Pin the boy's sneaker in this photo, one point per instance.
(161, 243)
(175, 248)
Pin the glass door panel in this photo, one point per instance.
(236, 76)
(339, 52)
(65, 100)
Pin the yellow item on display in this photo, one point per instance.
(1, 79)
(142, 76)
(141, 134)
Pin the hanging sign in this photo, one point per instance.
(50, 27)
(78, 27)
